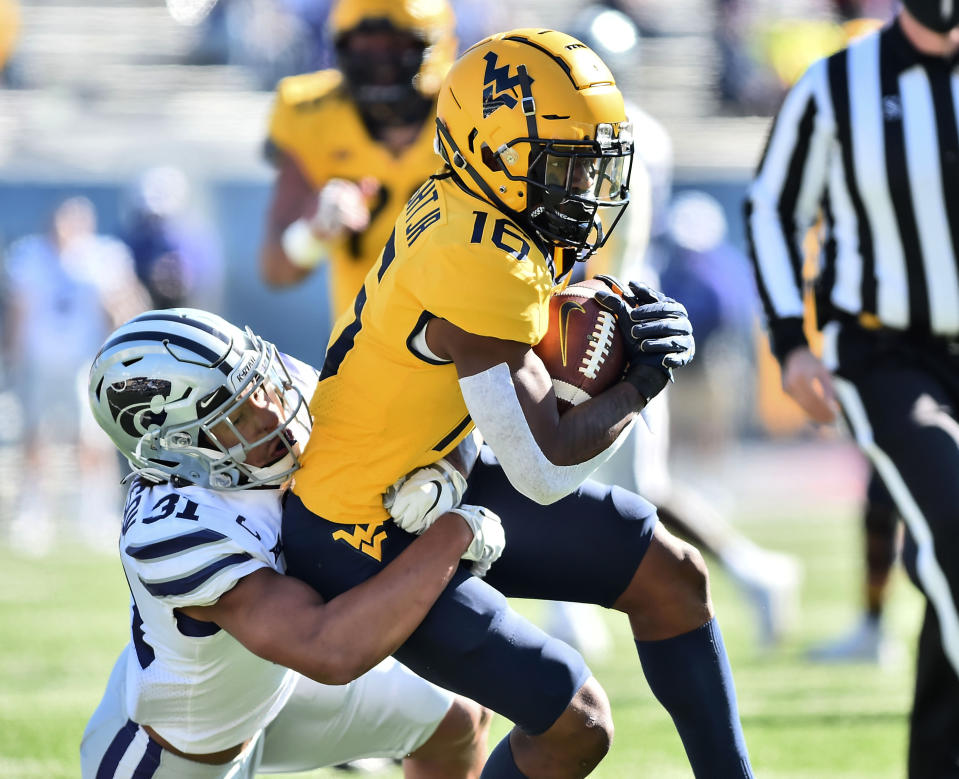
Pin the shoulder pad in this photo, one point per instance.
(189, 552)
(308, 90)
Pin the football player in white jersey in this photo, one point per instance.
(211, 418)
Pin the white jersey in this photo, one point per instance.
(191, 681)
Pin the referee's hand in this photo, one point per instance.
(806, 380)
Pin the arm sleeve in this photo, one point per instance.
(783, 201)
(491, 399)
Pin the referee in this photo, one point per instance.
(868, 138)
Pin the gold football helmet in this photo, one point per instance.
(532, 121)
(418, 68)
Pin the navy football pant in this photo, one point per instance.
(900, 396)
(585, 547)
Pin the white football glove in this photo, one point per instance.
(340, 205)
(489, 540)
(417, 500)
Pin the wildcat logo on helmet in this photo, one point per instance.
(131, 403)
(164, 387)
(504, 84)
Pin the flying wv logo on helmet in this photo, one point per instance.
(503, 82)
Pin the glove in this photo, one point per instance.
(635, 293)
(657, 334)
(615, 285)
(489, 540)
(340, 205)
(419, 498)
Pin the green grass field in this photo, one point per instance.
(63, 618)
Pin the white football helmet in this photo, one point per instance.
(164, 380)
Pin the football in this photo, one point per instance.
(582, 349)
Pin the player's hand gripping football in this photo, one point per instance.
(419, 498)
(656, 330)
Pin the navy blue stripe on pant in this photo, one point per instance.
(120, 745)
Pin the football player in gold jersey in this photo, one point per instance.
(352, 144)
(439, 340)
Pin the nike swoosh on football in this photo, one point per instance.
(565, 311)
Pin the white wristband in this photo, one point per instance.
(301, 247)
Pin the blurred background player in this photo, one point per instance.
(273, 39)
(211, 418)
(177, 254)
(65, 290)
(9, 33)
(351, 145)
(867, 640)
(764, 47)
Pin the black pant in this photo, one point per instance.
(585, 547)
(900, 395)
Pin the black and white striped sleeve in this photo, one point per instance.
(783, 200)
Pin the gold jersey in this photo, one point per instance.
(382, 407)
(317, 124)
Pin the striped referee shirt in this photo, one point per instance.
(868, 137)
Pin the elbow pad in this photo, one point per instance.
(491, 399)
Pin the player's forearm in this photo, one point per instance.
(527, 401)
(590, 428)
(276, 269)
(293, 197)
(369, 622)
(525, 435)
